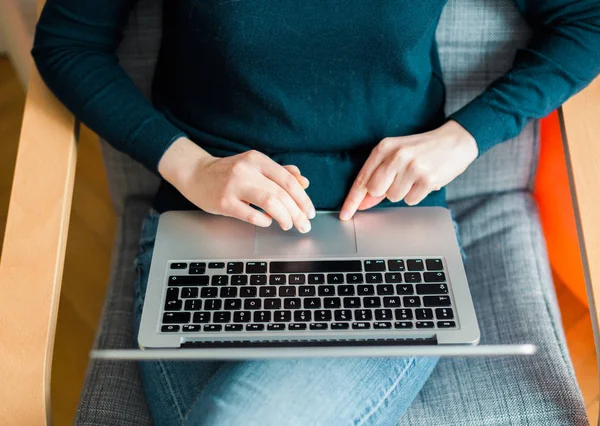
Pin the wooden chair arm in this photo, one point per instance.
(31, 264)
(580, 119)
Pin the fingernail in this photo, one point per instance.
(345, 215)
(305, 228)
(312, 213)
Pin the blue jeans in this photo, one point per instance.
(330, 392)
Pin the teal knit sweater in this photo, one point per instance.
(315, 83)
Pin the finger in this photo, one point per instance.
(288, 182)
(271, 204)
(246, 213)
(416, 194)
(400, 187)
(382, 178)
(299, 218)
(370, 202)
(358, 192)
(304, 182)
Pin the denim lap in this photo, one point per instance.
(327, 391)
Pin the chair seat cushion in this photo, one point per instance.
(515, 301)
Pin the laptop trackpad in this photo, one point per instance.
(329, 236)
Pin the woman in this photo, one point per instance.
(344, 93)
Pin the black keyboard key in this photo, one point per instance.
(219, 280)
(188, 281)
(405, 289)
(241, 316)
(216, 265)
(322, 315)
(312, 303)
(396, 265)
(415, 265)
(256, 267)
(424, 314)
(403, 325)
(412, 277)
(332, 302)
(209, 292)
(316, 278)
(198, 264)
(287, 291)
(403, 314)
(335, 278)
(239, 280)
(354, 278)
(382, 325)
(385, 290)
(276, 327)
(235, 268)
(432, 288)
(393, 277)
(277, 279)
(434, 264)
(268, 291)
(178, 265)
(411, 301)
(213, 304)
(169, 328)
(363, 315)
(374, 278)
(361, 325)
(272, 303)
(258, 279)
(444, 313)
(351, 302)
(297, 279)
(346, 290)
(340, 326)
(197, 271)
(343, 315)
(228, 292)
(233, 304)
(306, 290)
(200, 317)
(282, 316)
(297, 327)
(383, 314)
(302, 316)
(176, 317)
(255, 327)
(372, 302)
(234, 327)
(193, 305)
(248, 292)
(374, 265)
(425, 324)
(434, 277)
(172, 293)
(366, 290)
(436, 301)
(318, 326)
(391, 302)
(314, 266)
(292, 303)
(252, 304)
(326, 290)
(222, 317)
(262, 316)
(446, 324)
(173, 305)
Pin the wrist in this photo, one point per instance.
(180, 160)
(457, 133)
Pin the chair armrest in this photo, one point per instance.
(580, 119)
(31, 264)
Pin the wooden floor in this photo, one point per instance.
(91, 235)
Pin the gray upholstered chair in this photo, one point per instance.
(506, 261)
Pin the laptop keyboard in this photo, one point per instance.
(378, 294)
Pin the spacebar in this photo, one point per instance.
(316, 266)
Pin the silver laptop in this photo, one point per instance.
(388, 278)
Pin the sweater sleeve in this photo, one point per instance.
(74, 50)
(561, 59)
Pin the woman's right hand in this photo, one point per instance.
(228, 186)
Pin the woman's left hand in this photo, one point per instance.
(410, 167)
